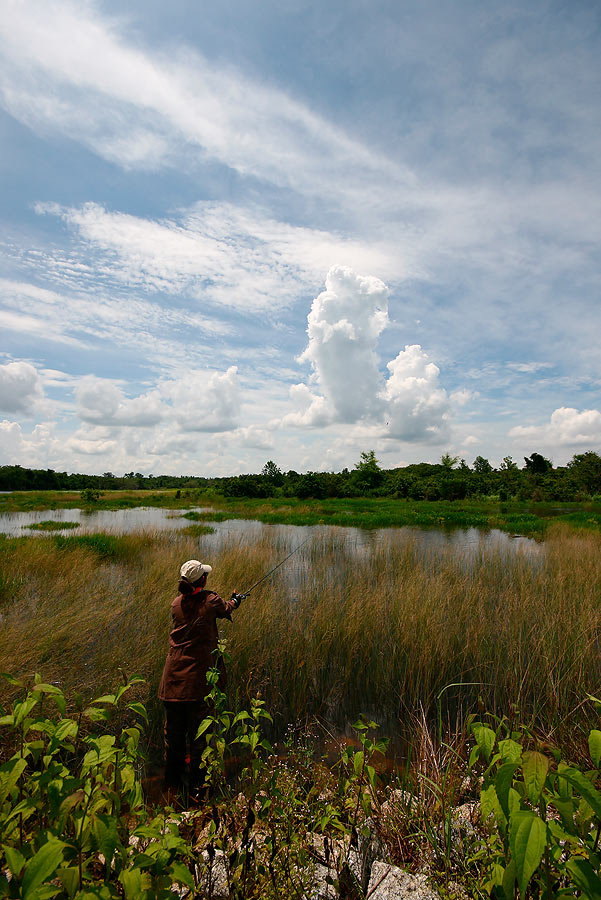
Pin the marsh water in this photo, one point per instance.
(466, 541)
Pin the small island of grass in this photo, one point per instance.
(52, 525)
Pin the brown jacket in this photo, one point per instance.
(192, 641)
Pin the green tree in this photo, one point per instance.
(585, 469)
(449, 462)
(537, 464)
(482, 466)
(368, 475)
(273, 472)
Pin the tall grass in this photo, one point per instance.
(390, 629)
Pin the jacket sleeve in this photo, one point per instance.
(221, 608)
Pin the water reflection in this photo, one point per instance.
(469, 542)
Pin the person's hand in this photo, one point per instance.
(237, 599)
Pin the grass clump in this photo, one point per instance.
(52, 525)
(104, 546)
(196, 530)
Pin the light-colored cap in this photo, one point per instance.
(193, 570)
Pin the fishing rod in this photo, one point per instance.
(240, 597)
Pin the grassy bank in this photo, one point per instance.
(390, 630)
(362, 512)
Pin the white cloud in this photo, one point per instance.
(344, 326)
(195, 401)
(204, 401)
(20, 387)
(68, 70)
(102, 402)
(218, 253)
(417, 407)
(567, 426)
(83, 320)
(529, 368)
(33, 449)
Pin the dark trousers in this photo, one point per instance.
(182, 719)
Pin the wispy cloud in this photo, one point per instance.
(220, 254)
(68, 69)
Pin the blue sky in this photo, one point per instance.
(294, 231)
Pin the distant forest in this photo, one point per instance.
(450, 479)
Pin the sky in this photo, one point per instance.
(297, 231)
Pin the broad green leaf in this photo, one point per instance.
(102, 749)
(106, 836)
(67, 728)
(558, 832)
(22, 710)
(594, 746)
(47, 892)
(206, 723)
(503, 782)
(41, 866)
(106, 698)
(527, 839)
(25, 809)
(534, 768)
(11, 679)
(513, 801)
(181, 874)
(46, 689)
(583, 786)
(15, 860)
(474, 755)
(485, 738)
(97, 715)
(585, 814)
(140, 709)
(509, 877)
(131, 879)
(358, 761)
(585, 877)
(489, 804)
(69, 878)
(511, 751)
(566, 809)
(10, 773)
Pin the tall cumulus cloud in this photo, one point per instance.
(346, 385)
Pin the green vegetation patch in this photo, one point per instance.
(196, 530)
(106, 546)
(375, 512)
(583, 518)
(52, 525)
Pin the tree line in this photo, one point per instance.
(450, 479)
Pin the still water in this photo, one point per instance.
(468, 541)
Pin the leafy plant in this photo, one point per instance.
(545, 813)
(71, 806)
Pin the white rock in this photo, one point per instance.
(317, 887)
(214, 879)
(388, 882)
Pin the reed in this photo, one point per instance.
(388, 629)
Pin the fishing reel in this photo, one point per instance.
(238, 598)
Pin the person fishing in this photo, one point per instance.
(183, 688)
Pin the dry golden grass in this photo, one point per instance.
(335, 632)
